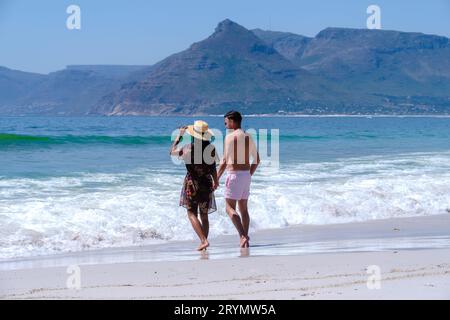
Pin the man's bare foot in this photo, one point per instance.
(244, 242)
(247, 244)
(203, 245)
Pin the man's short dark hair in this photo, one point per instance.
(234, 115)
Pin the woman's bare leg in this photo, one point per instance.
(205, 222)
(198, 230)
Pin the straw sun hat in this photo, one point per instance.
(200, 130)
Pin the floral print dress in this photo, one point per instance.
(197, 192)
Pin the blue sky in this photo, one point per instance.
(34, 37)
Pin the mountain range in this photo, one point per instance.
(339, 71)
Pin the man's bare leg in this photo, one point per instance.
(243, 210)
(236, 219)
(198, 230)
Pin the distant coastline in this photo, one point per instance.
(344, 115)
(268, 115)
(339, 72)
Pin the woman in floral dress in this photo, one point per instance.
(197, 193)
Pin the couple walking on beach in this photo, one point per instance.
(202, 178)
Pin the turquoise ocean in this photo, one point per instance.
(76, 183)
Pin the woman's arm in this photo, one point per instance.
(213, 170)
(174, 151)
(215, 178)
(223, 161)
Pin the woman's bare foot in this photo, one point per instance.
(244, 242)
(247, 244)
(203, 245)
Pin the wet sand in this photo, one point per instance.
(301, 262)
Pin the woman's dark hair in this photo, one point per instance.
(234, 115)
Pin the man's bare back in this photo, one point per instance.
(238, 149)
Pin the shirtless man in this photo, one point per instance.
(239, 147)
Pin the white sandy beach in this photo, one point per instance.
(304, 262)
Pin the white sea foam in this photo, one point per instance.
(42, 216)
